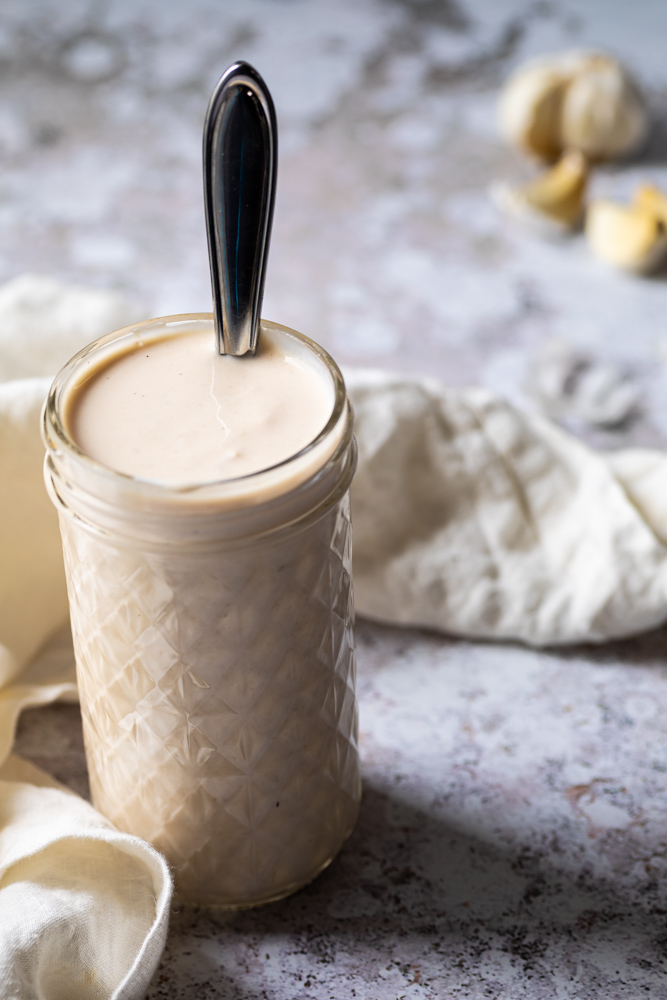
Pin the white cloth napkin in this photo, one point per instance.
(473, 518)
(83, 908)
(469, 517)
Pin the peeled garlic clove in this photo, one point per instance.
(651, 199)
(573, 100)
(530, 109)
(602, 112)
(626, 236)
(560, 191)
(554, 201)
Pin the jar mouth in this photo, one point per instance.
(60, 443)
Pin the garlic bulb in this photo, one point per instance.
(530, 108)
(631, 237)
(552, 203)
(603, 113)
(574, 100)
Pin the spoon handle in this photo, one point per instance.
(240, 161)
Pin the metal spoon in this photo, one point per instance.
(240, 159)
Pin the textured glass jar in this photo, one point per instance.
(215, 657)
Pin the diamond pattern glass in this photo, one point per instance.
(218, 697)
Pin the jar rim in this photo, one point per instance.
(59, 441)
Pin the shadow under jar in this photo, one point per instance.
(213, 636)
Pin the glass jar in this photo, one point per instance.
(213, 632)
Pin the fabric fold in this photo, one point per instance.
(83, 908)
(478, 520)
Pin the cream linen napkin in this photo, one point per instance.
(83, 908)
(469, 517)
(474, 518)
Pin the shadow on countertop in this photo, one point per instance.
(413, 900)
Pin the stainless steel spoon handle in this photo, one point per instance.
(240, 160)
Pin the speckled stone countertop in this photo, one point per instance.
(512, 841)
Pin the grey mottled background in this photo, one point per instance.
(513, 838)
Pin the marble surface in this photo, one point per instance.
(512, 835)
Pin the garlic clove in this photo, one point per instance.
(552, 203)
(626, 236)
(602, 112)
(651, 199)
(573, 100)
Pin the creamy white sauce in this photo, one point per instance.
(173, 410)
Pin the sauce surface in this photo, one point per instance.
(174, 411)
